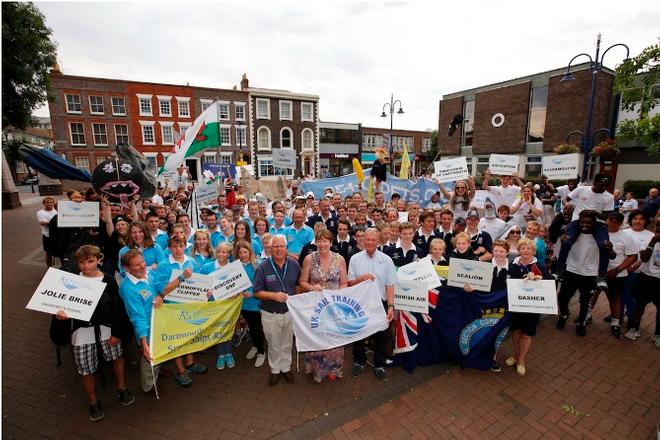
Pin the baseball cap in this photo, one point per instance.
(460, 221)
(309, 194)
(472, 213)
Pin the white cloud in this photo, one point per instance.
(352, 54)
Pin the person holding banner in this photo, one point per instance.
(462, 247)
(140, 295)
(274, 280)
(523, 325)
(165, 284)
(461, 197)
(140, 238)
(505, 193)
(108, 326)
(324, 269)
(372, 264)
(251, 306)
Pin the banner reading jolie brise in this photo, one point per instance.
(332, 318)
(59, 290)
(183, 328)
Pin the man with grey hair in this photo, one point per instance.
(372, 264)
(274, 280)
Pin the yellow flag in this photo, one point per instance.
(183, 328)
(372, 188)
(405, 163)
(357, 169)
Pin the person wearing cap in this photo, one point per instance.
(490, 222)
(481, 242)
(594, 198)
(435, 201)
(505, 193)
(298, 234)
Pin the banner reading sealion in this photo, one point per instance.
(183, 328)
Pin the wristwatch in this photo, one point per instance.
(181, 278)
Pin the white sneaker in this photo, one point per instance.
(632, 334)
(261, 358)
(252, 353)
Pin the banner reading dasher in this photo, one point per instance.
(183, 328)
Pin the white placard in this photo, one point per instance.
(168, 179)
(193, 289)
(478, 274)
(451, 170)
(421, 272)
(503, 164)
(206, 194)
(532, 296)
(78, 215)
(78, 296)
(284, 158)
(411, 296)
(560, 166)
(230, 280)
(479, 199)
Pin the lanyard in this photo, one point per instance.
(281, 278)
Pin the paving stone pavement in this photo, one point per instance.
(615, 384)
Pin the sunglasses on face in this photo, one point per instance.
(514, 232)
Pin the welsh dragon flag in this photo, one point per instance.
(203, 134)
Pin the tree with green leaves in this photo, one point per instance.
(636, 80)
(27, 54)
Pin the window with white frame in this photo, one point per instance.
(286, 110)
(225, 158)
(223, 111)
(96, 105)
(400, 141)
(239, 110)
(263, 108)
(482, 165)
(144, 102)
(210, 158)
(307, 111)
(533, 166)
(165, 105)
(225, 135)
(77, 131)
(240, 136)
(100, 134)
(183, 127)
(82, 162)
(73, 104)
(371, 141)
(426, 144)
(121, 134)
(148, 135)
(307, 139)
(167, 134)
(266, 168)
(152, 165)
(263, 139)
(205, 103)
(119, 106)
(286, 138)
(183, 103)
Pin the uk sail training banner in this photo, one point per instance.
(332, 318)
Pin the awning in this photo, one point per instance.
(51, 164)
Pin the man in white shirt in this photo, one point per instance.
(505, 193)
(372, 264)
(44, 216)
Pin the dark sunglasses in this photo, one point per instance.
(514, 232)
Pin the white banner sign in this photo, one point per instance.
(78, 215)
(478, 274)
(561, 166)
(194, 289)
(284, 158)
(532, 296)
(168, 179)
(332, 318)
(420, 271)
(206, 194)
(451, 170)
(230, 280)
(480, 197)
(58, 290)
(412, 296)
(503, 164)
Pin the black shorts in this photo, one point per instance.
(646, 289)
(526, 322)
(615, 287)
(45, 241)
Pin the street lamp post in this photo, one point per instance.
(595, 66)
(384, 115)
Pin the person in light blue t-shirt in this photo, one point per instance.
(242, 232)
(201, 251)
(140, 238)
(298, 234)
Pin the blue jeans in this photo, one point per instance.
(600, 235)
(628, 301)
(223, 348)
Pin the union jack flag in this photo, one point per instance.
(405, 326)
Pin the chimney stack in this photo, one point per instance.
(244, 82)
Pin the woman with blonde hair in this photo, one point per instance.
(201, 250)
(461, 197)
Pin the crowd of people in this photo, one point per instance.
(581, 235)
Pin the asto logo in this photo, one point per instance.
(342, 317)
(76, 207)
(557, 161)
(527, 288)
(193, 318)
(466, 268)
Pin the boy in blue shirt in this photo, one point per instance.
(298, 234)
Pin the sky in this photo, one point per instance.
(354, 55)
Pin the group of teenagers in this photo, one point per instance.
(145, 250)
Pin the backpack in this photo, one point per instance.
(60, 335)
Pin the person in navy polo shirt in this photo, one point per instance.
(325, 216)
(425, 233)
(274, 280)
(404, 251)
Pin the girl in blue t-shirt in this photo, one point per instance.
(139, 238)
(242, 232)
(201, 250)
(251, 305)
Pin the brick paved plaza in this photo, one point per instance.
(592, 387)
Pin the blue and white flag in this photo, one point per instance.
(333, 318)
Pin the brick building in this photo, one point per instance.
(339, 145)
(283, 119)
(528, 116)
(418, 142)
